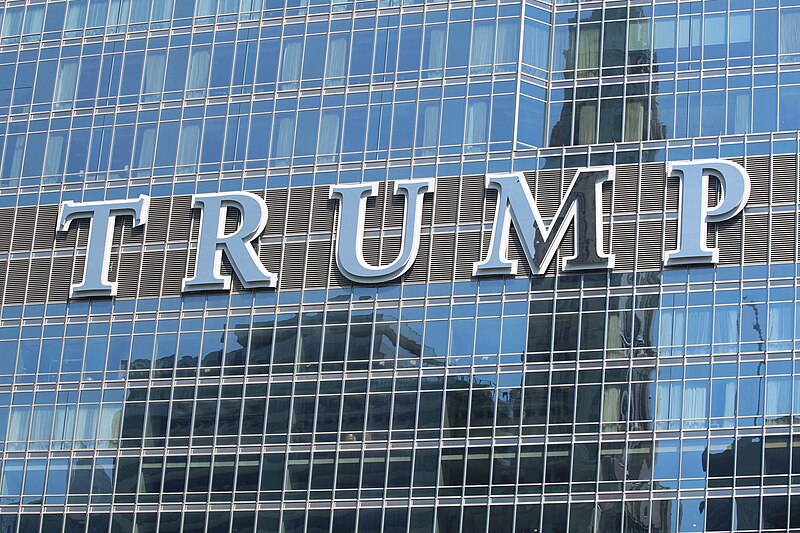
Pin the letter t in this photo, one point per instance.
(101, 231)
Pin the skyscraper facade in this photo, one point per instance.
(360, 266)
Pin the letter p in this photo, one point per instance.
(695, 214)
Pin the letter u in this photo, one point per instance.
(350, 233)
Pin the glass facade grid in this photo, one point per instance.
(643, 401)
(372, 84)
(361, 375)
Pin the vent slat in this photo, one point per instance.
(6, 227)
(299, 213)
(46, 219)
(756, 226)
(23, 229)
(442, 257)
(784, 178)
(318, 264)
(759, 188)
(651, 186)
(783, 228)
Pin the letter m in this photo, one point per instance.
(583, 205)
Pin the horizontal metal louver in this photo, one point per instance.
(38, 280)
(427, 210)
(270, 255)
(784, 178)
(18, 272)
(442, 257)
(490, 206)
(113, 265)
(131, 235)
(318, 264)
(673, 193)
(783, 229)
(3, 277)
(191, 262)
(371, 250)
(226, 269)
(729, 241)
(119, 227)
(608, 197)
(531, 176)
(759, 167)
(622, 238)
(419, 270)
(714, 189)
(46, 219)
(472, 200)
(276, 206)
(446, 208)
(607, 237)
(293, 265)
(82, 236)
(297, 220)
(129, 265)
(152, 272)
(627, 180)
(651, 234)
(6, 229)
(548, 192)
(651, 185)
(671, 234)
(552, 268)
(323, 210)
(158, 221)
(195, 217)
(468, 252)
(567, 248)
(390, 249)
(78, 266)
(58, 286)
(395, 212)
(236, 285)
(23, 229)
(181, 223)
(232, 218)
(373, 218)
(756, 232)
(175, 264)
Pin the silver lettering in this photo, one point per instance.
(582, 204)
(695, 214)
(350, 234)
(212, 241)
(101, 232)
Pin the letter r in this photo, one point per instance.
(213, 240)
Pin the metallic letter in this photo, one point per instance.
(212, 241)
(695, 214)
(101, 232)
(350, 234)
(583, 204)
